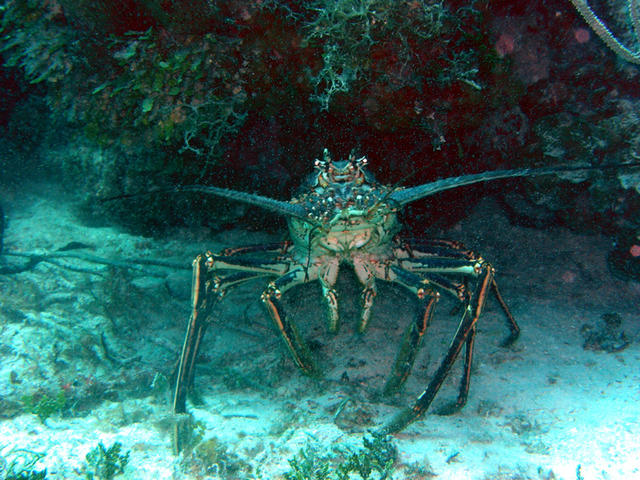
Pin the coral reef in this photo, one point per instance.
(150, 86)
(150, 94)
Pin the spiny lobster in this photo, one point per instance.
(344, 217)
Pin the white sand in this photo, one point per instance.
(541, 409)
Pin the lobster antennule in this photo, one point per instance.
(411, 194)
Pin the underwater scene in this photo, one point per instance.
(320, 240)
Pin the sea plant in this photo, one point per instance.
(28, 475)
(44, 406)
(309, 464)
(31, 41)
(378, 456)
(105, 463)
(374, 461)
(21, 465)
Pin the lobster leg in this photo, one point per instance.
(367, 277)
(288, 330)
(511, 322)
(206, 291)
(450, 257)
(203, 296)
(413, 337)
(465, 331)
(463, 392)
(327, 274)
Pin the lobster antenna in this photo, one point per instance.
(393, 189)
(278, 206)
(411, 194)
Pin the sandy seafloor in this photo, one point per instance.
(545, 408)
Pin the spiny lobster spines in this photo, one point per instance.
(343, 172)
(343, 187)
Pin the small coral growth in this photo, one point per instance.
(374, 461)
(105, 463)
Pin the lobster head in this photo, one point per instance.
(347, 171)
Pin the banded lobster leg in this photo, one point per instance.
(443, 261)
(435, 268)
(415, 331)
(208, 288)
(326, 273)
(439, 266)
(436, 255)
